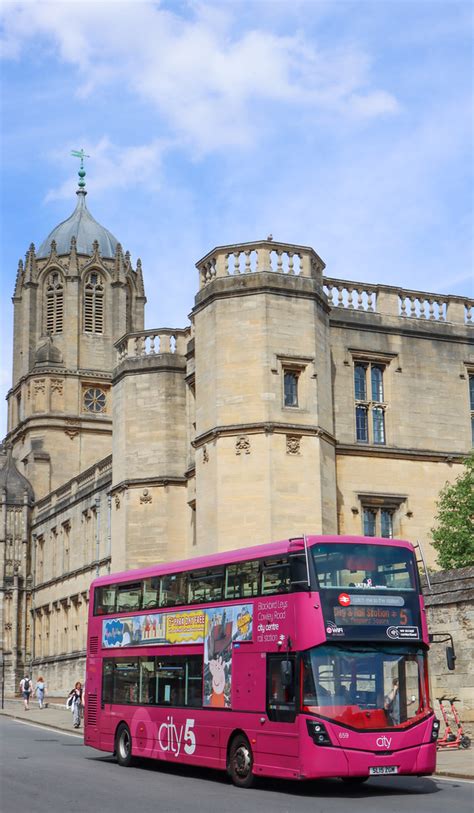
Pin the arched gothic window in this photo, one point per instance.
(54, 303)
(94, 303)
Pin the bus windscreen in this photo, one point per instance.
(365, 687)
(343, 566)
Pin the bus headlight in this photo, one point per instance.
(317, 732)
(435, 731)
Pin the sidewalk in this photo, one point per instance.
(55, 716)
(456, 764)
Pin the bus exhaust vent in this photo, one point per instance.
(94, 645)
(91, 709)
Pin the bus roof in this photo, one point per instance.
(240, 555)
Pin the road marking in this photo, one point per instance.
(46, 727)
(452, 779)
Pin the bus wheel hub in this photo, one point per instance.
(242, 761)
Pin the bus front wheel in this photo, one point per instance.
(123, 746)
(241, 762)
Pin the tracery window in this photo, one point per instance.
(366, 405)
(95, 399)
(54, 303)
(94, 303)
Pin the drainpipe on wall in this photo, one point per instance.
(97, 535)
(24, 567)
(33, 600)
(109, 530)
(14, 618)
(3, 538)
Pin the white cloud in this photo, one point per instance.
(202, 74)
(115, 167)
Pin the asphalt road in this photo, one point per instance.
(44, 771)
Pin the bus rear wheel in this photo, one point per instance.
(123, 746)
(241, 762)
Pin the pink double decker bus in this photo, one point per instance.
(300, 659)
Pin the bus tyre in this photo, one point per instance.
(123, 746)
(241, 762)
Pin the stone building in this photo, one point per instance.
(291, 402)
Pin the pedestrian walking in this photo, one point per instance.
(25, 689)
(40, 690)
(75, 703)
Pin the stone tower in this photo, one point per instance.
(73, 299)
(264, 437)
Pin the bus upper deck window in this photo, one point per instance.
(275, 576)
(206, 585)
(105, 600)
(151, 593)
(173, 590)
(242, 579)
(129, 597)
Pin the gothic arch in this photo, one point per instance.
(93, 302)
(53, 301)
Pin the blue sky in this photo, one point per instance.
(346, 126)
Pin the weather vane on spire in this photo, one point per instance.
(82, 173)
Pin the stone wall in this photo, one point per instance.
(450, 609)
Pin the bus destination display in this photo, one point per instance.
(375, 616)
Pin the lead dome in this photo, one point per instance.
(84, 228)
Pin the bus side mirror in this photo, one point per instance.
(450, 658)
(286, 673)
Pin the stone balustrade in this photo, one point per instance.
(352, 295)
(398, 301)
(152, 342)
(264, 255)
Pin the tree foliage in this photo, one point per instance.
(453, 536)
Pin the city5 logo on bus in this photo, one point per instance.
(171, 737)
(383, 742)
(344, 599)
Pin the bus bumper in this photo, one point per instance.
(420, 760)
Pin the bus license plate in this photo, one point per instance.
(383, 769)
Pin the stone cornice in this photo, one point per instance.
(261, 283)
(47, 659)
(356, 450)
(426, 329)
(47, 420)
(59, 372)
(149, 482)
(47, 513)
(159, 363)
(71, 574)
(264, 427)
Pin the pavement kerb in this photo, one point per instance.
(39, 724)
(445, 774)
(63, 729)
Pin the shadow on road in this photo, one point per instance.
(401, 786)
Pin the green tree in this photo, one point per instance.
(453, 536)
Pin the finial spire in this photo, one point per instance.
(81, 172)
